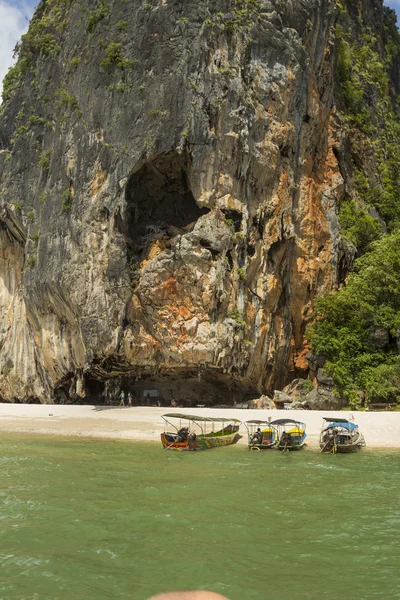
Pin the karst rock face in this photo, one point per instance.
(170, 183)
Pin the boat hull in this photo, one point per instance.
(169, 442)
(205, 442)
(201, 443)
(356, 443)
(291, 435)
(348, 448)
(291, 448)
(297, 442)
(262, 446)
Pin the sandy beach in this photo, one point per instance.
(381, 429)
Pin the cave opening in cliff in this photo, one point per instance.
(94, 390)
(188, 387)
(159, 202)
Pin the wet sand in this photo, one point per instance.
(381, 429)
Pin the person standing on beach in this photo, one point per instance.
(129, 399)
(122, 398)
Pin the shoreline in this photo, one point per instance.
(144, 424)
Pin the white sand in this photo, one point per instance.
(381, 429)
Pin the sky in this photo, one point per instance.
(396, 5)
(14, 17)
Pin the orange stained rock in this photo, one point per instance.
(187, 301)
(282, 193)
(331, 159)
(250, 312)
(290, 74)
(305, 264)
(142, 342)
(279, 132)
(300, 360)
(98, 181)
(184, 313)
(166, 289)
(170, 285)
(273, 284)
(314, 220)
(283, 180)
(155, 250)
(175, 312)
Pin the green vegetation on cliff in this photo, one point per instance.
(348, 323)
(371, 113)
(40, 40)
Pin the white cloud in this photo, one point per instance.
(13, 23)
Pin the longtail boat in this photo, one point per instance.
(291, 434)
(261, 435)
(339, 436)
(197, 433)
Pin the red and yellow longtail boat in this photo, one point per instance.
(189, 432)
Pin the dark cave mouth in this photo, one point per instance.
(186, 386)
(159, 202)
(190, 388)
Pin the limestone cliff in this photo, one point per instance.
(171, 177)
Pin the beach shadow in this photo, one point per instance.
(99, 408)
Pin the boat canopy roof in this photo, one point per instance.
(255, 422)
(335, 420)
(344, 424)
(200, 419)
(286, 422)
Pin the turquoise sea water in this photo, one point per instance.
(95, 520)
